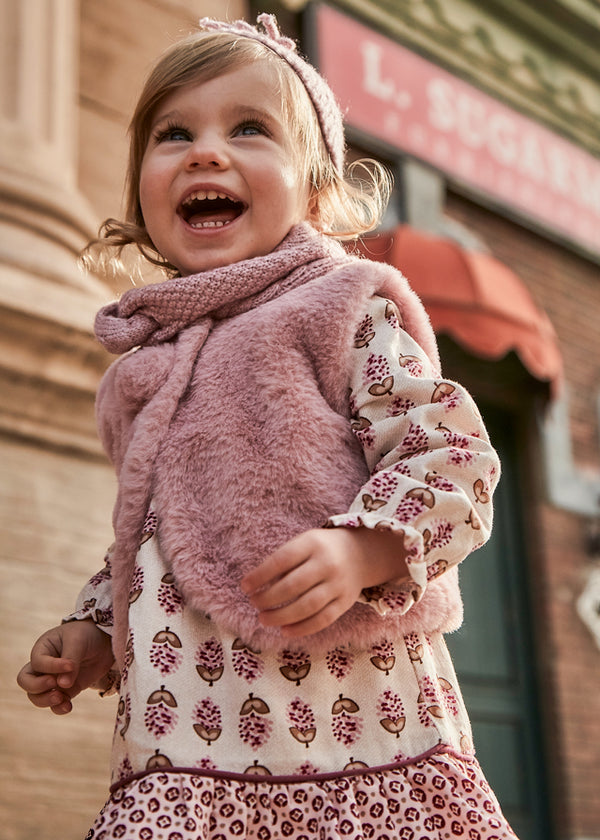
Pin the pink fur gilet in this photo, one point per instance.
(232, 417)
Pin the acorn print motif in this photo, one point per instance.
(359, 424)
(129, 657)
(417, 500)
(296, 665)
(208, 723)
(353, 764)
(392, 315)
(377, 371)
(383, 657)
(459, 453)
(473, 520)
(373, 593)
(160, 717)
(363, 431)
(158, 761)
(301, 716)
(429, 702)
(449, 696)
(382, 486)
(165, 653)
(210, 661)
(415, 442)
(346, 725)
(257, 769)
(390, 706)
(169, 596)
(442, 391)
(466, 744)
(339, 662)
(137, 584)
(123, 715)
(439, 537)
(247, 662)
(254, 726)
(414, 647)
(104, 618)
(412, 364)
(437, 568)
(371, 504)
(149, 527)
(400, 405)
(364, 334)
(481, 494)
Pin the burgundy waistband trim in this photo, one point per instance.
(259, 778)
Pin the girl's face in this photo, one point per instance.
(219, 181)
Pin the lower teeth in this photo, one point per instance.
(209, 224)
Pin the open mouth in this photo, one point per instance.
(209, 209)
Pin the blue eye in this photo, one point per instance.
(252, 128)
(172, 133)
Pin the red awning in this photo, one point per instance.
(474, 298)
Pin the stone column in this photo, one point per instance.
(46, 302)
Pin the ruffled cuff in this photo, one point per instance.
(401, 593)
(95, 599)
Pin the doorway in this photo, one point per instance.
(494, 656)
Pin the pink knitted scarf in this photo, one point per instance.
(157, 313)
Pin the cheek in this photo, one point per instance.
(145, 189)
(297, 188)
(152, 184)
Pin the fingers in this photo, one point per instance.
(49, 677)
(288, 574)
(302, 586)
(52, 659)
(308, 614)
(274, 567)
(43, 691)
(324, 618)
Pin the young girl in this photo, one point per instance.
(297, 484)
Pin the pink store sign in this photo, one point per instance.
(410, 103)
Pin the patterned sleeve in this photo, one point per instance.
(432, 467)
(95, 602)
(95, 599)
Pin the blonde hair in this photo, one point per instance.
(342, 205)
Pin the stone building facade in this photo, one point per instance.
(70, 73)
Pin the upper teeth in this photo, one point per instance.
(202, 195)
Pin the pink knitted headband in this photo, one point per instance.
(321, 95)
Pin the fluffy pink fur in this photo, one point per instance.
(239, 430)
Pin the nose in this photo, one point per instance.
(208, 151)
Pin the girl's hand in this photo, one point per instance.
(64, 661)
(307, 583)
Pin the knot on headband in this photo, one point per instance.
(324, 102)
(242, 27)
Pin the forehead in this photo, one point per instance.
(253, 87)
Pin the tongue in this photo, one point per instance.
(212, 216)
